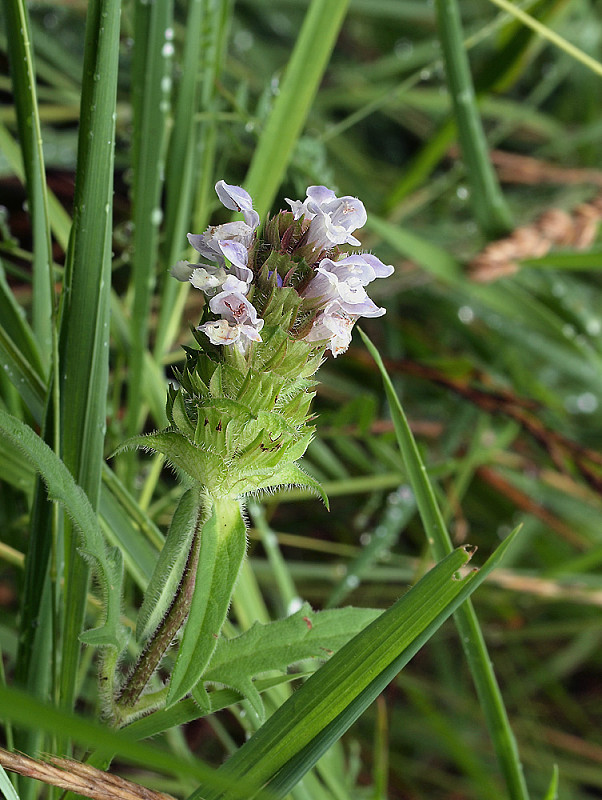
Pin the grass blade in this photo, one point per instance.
(469, 630)
(152, 59)
(293, 739)
(487, 201)
(84, 331)
(30, 137)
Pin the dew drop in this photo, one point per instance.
(466, 314)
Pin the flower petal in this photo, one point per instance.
(237, 199)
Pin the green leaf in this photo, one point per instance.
(488, 203)
(552, 793)
(277, 645)
(291, 476)
(30, 713)
(170, 565)
(30, 138)
(83, 372)
(304, 72)
(62, 488)
(223, 546)
(292, 740)
(199, 465)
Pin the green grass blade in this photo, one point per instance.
(6, 787)
(304, 72)
(84, 331)
(63, 488)
(153, 36)
(293, 739)
(30, 137)
(28, 712)
(488, 204)
(469, 630)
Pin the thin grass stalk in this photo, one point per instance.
(84, 324)
(153, 49)
(487, 200)
(30, 138)
(465, 618)
(547, 33)
(35, 645)
(292, 105)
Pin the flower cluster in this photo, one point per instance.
(299, 249)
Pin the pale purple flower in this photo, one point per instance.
(343, 281)
(221, 332)
(239, 323)
(209, 244)
(234, 306)
(332, 219)
(210, 278)
(237, 199)
(335, 325)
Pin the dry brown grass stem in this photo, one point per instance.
(77, 777)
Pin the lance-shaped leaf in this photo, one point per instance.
(277, 645)
(223, 546)
(62, 488)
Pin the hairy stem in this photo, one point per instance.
(164, 635)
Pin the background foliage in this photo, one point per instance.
(498, 368)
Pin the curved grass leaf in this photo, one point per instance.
(62, 488)
(292, 740)
(304, 72)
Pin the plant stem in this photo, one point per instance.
(164, 635)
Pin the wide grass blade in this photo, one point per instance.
(469, 630)
(304, 72)
(63, 488)
(293, 739)
(84, 324)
